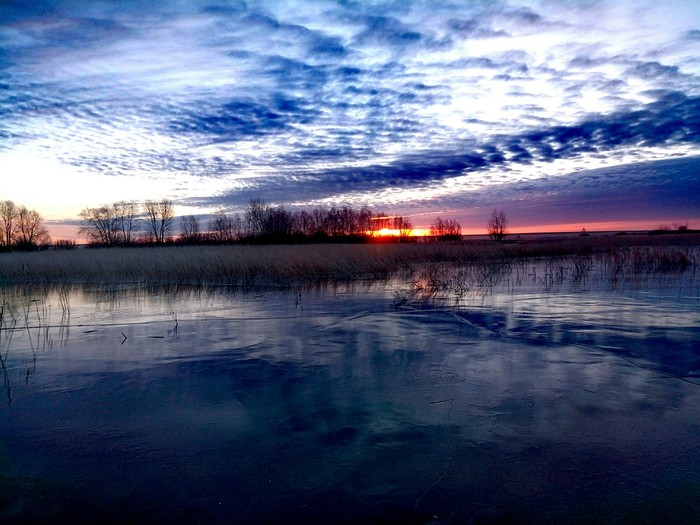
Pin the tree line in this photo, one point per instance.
(125, 223)
(21, 228)
(263, 222)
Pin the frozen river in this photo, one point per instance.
(527, 398)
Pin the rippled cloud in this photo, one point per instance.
(342, 101)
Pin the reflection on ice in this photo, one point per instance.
(508, 399)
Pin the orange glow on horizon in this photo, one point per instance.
(64, 232)
(603, 226)
(60, 231)
(390, 232)
(385, 232)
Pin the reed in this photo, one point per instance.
(611, 267)
(291, 264)
(201, 265)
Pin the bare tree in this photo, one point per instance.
(238, 228)
(160, 215)
(364, 221)
(126, 220)
(403, 225)
(189, 229)
(333, 224)
(380, 221)
(255, 217)
(303, 224)
(110, 224)
(498, 225)
(31, 231)
(436, 227)
(221, 227)
(445, 229)
(278, 222)
(453, 228)
(99, 225)
(319, 221)
(8, 218)
(348, 220)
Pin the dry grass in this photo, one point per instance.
(613, 267)
(200, 265)
(291, 264)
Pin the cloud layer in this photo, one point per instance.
(417, 105)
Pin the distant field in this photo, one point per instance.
(290, 264)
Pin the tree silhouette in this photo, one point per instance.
(445, 229)
(21, 227)
(255, 218)
(160, 216)
(126, 220)
(497, 225)
(30, 231)
(8, 218)
(403, 225)
(278, 222)
(221, 227)
(189, 229)
(99, 225)
(110, 224)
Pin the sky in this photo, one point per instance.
(566, 114)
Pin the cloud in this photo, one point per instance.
(241, 119)
(340, 99)
(523, 16)
(653, 70)
(232, 7)
(295, 74)
(673, 119)
(473, 28)
(387, 30)
(660, 190)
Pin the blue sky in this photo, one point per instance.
(578, 113)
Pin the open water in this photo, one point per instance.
(526, 398)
